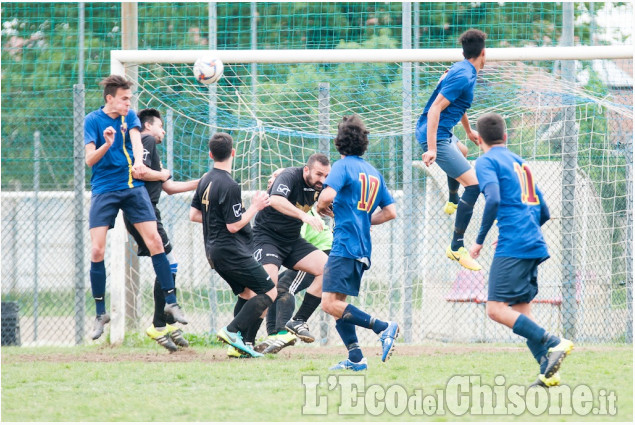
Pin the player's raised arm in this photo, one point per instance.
(93, 155)
(259, 201)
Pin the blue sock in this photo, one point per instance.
(453, 188)
(164, 274)
(464, 214)
(362, 319)
(527, 328)
(98, 285)
(349, 337)
(539, 351)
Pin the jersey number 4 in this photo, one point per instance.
(205, 200)
(527, 184)
(369, 188)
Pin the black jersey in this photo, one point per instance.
(218, 198)
(151, 159)
(270, 222)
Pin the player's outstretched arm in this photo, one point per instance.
(259, 201)
(492, 201)
(387, 213)
(139, 169)
(325, 201)
(171, 187)
(282, 204)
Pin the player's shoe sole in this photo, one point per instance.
(387, 339)
(450, 208)
(176, 335)
(556, 355)
(174, 311)
(300, 329)
(543, 381)
(280, 342)
(162, 338)
(234, 353)
(463, 257)
(264, 344)
(349, 365)
(98, 327)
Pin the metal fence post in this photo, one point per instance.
(36, 223)
(324, 111)
(569, 165)
(79, 184)
(629, 240)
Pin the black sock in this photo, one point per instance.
(464, 215)
(251, 311)
(286, 305)
(240, 302)
(453, 188)
(271, 318)
(158, 319)
(252, 331)
(309, 304)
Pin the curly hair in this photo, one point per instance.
(352, 136)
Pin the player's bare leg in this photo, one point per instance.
(98, 278)
(457, 251)
(453, 187)
(313, 264)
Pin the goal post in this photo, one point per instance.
(286, 116)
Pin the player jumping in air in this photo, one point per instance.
(355, 189)
(217, 203)
(512, 197)
(157, 179)
(446, 107)
(115, 153)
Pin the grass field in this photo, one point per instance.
(141, 382)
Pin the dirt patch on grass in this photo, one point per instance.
(109, 354)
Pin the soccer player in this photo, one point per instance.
(446, 107)
(156, 179)
(355, 189)
(277, 239)
(115, 153)
(227, 234)
(512, 197)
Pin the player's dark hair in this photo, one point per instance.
(491, 128)
(352, 136)
(317, 157)
(147, 116)
(473, 42)
(221, 145)
(114, 82)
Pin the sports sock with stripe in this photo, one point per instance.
(349, 337)
(98, 285)
(464, 214)
(164, 274)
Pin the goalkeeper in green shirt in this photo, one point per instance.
(291, 282)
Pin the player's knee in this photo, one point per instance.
(272, 295)
(494, 313)
(155, 244)
(327, 306)
(97, 253)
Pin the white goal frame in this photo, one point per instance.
(121, 59)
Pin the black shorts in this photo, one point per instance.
(296, 281)
(513, 280)
(270, 251)
(249, 275)
(143, 250)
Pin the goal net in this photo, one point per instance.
(574, 125)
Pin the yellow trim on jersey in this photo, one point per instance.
(124, 127)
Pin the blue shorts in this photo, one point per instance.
(343, 275)
(134, 202)
(513, 280)
(449, 157)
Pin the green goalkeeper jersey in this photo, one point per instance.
(321, 240)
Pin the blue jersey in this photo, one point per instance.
(114, 170)
(519, 233)
(458, 88)
(360, 190)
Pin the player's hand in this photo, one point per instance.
(326, 212)
(165, 174)
(315, 222)
(260, 200)
(139, 170)
(475, 251)
(473, 136)
(109, 136)
(429, 157)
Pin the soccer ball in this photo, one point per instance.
(208, 70)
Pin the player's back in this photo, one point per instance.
(518, 215)
(218, 198)
(360, 190)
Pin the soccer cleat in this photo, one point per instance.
(349, 365)
(162, 338)
(300, 329)
(387, 339)
(174, 311)
(235, 339)
(543, 381)
(450, 208)
(464, 258)
(100, 322)
(234, 353)
(176, 335)
(279, 342)
(266, 343)
(556, 355)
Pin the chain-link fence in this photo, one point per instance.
(577, 136)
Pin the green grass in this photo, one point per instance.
(140, 382)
